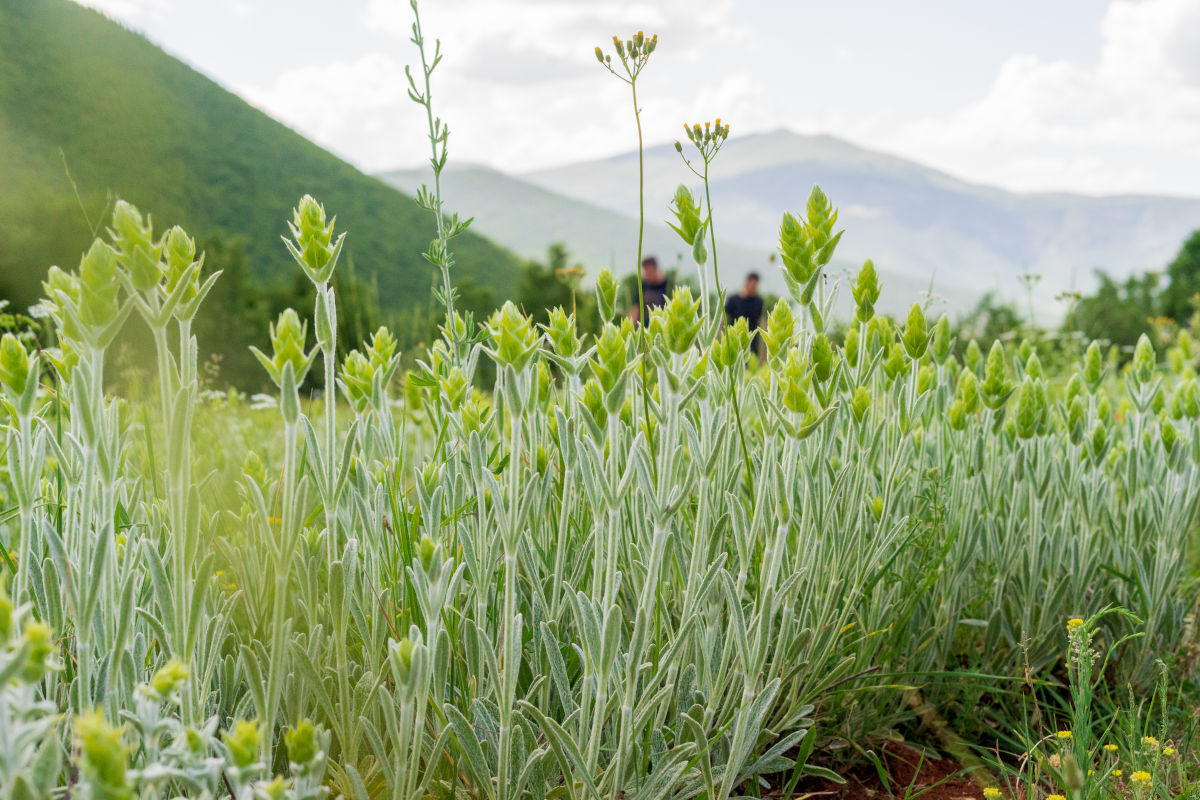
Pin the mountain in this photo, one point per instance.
(918, 224)
(526, 218)
(130, 121)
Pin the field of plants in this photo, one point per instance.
(526, 562)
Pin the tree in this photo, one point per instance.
(1178, 299)
(1117, 312)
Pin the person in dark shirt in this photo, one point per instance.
(654, 289)
(748, 305)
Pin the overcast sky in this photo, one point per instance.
(1080, 95)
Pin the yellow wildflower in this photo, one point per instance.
(1150, 743)
(1141, 776)
(1064, 735)
(1117, 773)
(1112, 748)
(1168, 751)
(1055, 797)
(1073, 623)
(991, 793)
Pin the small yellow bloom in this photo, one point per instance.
(1150, 743)
(1117, 773)
(1141, 776)
(1055, 797)
(1073, 623)
(1112, 748)
(1168, 751)
(1064, 735)
(992, 793)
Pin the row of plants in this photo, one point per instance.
(641, 564)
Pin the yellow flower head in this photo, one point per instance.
(1168, 751)
(1141, 776)
(1055, 797)
(1073, 624)
(1112, 748)
(1150, 743)
(1064, 735)
(1117, 773)
(992, 793)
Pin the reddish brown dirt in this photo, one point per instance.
(935, 780)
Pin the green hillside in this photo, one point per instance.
(133, 122)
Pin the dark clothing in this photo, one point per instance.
(747, 308)
(654, 295)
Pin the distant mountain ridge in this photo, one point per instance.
(131, 121)
(914, 221)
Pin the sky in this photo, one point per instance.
(1084, 96)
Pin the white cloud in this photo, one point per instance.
(1130, 122)
(519, 85)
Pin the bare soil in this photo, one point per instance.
(936, 779)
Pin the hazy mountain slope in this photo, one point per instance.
(914, 221)
(132, 121)
(527, 218)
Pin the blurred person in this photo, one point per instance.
(747, 304)
(654, 289)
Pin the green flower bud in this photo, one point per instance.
(102, 756)
(1169, 433)
(15, 365)
(606, 295)
(823, 358)
(314, 249)
(1027, 410)
(39, 641)
(860, 404)
(996, 387)
(135, 247)
(98, 286)
(592, 398)
(476, 413)
(916, 335)
(244, 742)
(357, 378)
(1076, 417)
(1093, 367)
(957, 416)
(513, 338)
(254, 468)
(682, 320)
(730, 349)
(562, 333)
(1103, 406)
(942, 340)
(180, 252)
(852, 346)
(1033, 366)
(1026, 349)
(806, 246)
(968, 392)
(611, 357)
(288, 338)
(781, 326)
(795, 380)
(1144, 360)
(973, 356)
(688, 222)
(926, 375)
(381, 351)
(168, 680)
(275, 789)
(1098, 442)
(895, 364)
(302, 745)
(1074, 387)
(1191, 399)
(401, 656)
(865, 291)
